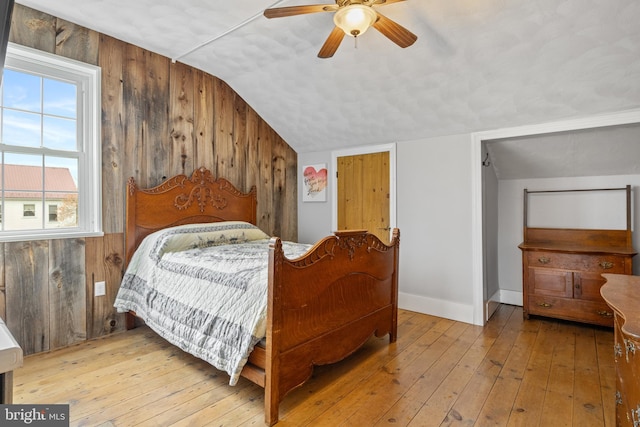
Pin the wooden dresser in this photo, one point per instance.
(621, 294)
(562, 269)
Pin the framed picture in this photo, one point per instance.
(314, 188)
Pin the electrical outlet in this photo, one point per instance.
(100, 289)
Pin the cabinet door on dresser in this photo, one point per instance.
(550, 282)
(587, 286)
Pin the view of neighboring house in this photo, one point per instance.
(33, 199)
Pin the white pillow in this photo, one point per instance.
(191, 236)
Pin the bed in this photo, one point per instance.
(321, 305)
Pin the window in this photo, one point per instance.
(28, 210)
(49, 147)
(53, 213)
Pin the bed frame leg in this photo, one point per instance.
(270, 410)
(271, 386)
(129, 321)
(393, 333)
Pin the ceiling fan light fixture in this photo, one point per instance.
(355, 19)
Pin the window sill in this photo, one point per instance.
(44, 235)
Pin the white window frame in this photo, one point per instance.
(48, 207)
(25, 210)
(22, 58)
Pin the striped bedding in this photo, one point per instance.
(203, 287)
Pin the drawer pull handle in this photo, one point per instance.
(606, 265)
(630, 347)
(605, 313)
(617, 351)
(545, 304)
(544, 260)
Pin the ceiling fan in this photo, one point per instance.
(353, 18)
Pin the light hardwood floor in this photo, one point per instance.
(439, 373)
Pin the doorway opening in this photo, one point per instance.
(480, 259)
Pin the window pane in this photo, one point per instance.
(23, 212)
(22, 172)
(22, 129)
(21, 91)
(53, 213)
(29, 209)
(61, 183)
(59, 98)
(61, 174)
(59, 134)
(66, 211)
(23, 191)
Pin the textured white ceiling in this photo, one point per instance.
(477, 65)
(611, 150)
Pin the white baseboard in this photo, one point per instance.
(436, 307)
(492, 305)
(502, 296)
(510, 297)
(454, 310)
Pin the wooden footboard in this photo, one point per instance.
(325, 305)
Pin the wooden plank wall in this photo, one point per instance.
(158, 119)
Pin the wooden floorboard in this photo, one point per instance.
(511, 372)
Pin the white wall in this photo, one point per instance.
(597, 210)
(314, 218)
(434, 217)
(491, 215)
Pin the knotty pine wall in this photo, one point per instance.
(158, 119)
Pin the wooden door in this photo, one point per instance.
(363, 193)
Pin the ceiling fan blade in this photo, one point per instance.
(331, 45)
(383, 2)
(279, 12)
(394, 31)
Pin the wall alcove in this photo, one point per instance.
(587, 153)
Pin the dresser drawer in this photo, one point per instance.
(594, 312)
(581, 262)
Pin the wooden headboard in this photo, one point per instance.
(183, 200)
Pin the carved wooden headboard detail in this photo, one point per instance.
(200, 198)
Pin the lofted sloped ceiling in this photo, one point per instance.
(477, 65)
(610, 150)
